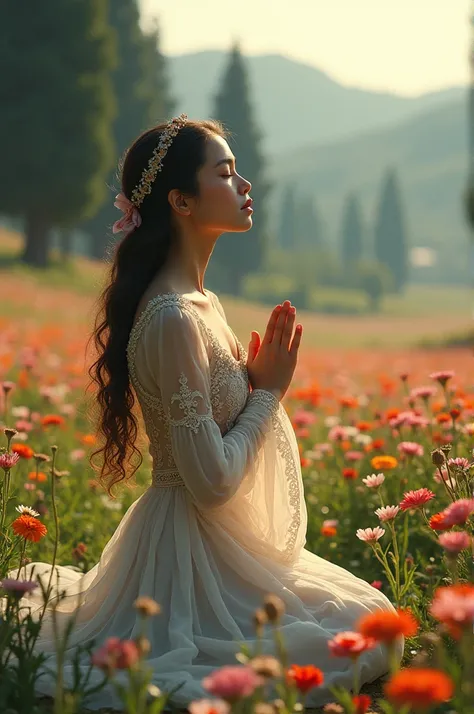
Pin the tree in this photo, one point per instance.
(286, 228)
(308, 225)
(233, 108)
(390, 241)
(375, 280)
(351, 234)
(57, 107)
(141, 90)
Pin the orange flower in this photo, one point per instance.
(348, 402)
(305, 677)
(443, 418)
(328, 531)
(29, 528)
(391, 413)
(378, 444)
(384, 463)
(23, 450)
(88, 439)
(419, 688)
(40, 477)
(364, 425)
(437, 522)
(52, 420)
(387, 626)
(349, 474)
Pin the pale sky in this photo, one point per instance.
(402, 46)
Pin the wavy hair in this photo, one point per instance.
(137, 258)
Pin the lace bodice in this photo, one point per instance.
(229, 388)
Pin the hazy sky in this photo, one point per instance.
(402, 46)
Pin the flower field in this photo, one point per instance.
(386, 445)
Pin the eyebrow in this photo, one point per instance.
(225, 161)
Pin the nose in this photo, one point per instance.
(246, 186)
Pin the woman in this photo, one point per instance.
(224, 520)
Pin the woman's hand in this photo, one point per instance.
(271, 362)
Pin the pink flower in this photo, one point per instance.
(416, 499)
(422, 392)
(455, 541)
(116, 654)
(354, 455)
(131, 218)
(410, 448)
(374, 481)
(23, 425)
(377, 584)
(302, 417)
(209, 706)
(17, 587)
(453, 604)
(232, 682)
(337, 433)
(387, 513)
(443, 376)
(8, 460)
(460, 462)
(330, 523)
(350, 644)
(76, 455)
(370, 535)
(457, 513)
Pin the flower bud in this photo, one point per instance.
(274, 607)
(437, 457)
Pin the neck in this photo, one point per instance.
(187, 262)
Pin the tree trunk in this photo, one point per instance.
(37, 236)
(98, 245)
(65, 242)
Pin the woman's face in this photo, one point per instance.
(222, 192)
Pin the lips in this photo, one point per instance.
(247, 204)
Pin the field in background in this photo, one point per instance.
(65, 296)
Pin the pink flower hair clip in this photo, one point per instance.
(131, 218)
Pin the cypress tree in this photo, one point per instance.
(309, 229)
(141, 91)
(57, 109)
(286, 228)
(390, 240)
(351, 233)
(233, 108)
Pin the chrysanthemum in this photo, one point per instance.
(410, 448)
(27, 510)
(384, 463)
(374, 480)
(29, 528)
(23, 450)
(416, 499)
(442, 376)
(419, 688)
(455, 541)
(370, 535)
(387, 513)
(457, 513)
(7, 461)
(385, 626)
(350, 644)
(454, 606)
(305, 677)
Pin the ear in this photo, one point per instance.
(178, 202)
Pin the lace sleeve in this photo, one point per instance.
(211, 465)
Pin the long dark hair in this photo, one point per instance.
(137, 258)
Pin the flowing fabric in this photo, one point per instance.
(222, 524)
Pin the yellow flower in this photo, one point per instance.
(384, 463)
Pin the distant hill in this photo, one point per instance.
(295, 104)
(430, 152)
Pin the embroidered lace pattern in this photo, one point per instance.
(229, 394)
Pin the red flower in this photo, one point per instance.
(305, 678)
(23, 450)
(419, 688)
(416, 499)
(52, 420)
(362, 702)
(350, 474)
(437, 522)
(385, 626)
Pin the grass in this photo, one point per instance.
(421, 314)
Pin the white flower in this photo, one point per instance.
(387, 513)
(331, 421)
(26, 510)
(374, 480)
(370, 535)
(351, 431)
(364, 439)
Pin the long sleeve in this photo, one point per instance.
(211, 465)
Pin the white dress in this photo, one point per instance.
(222, 525)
